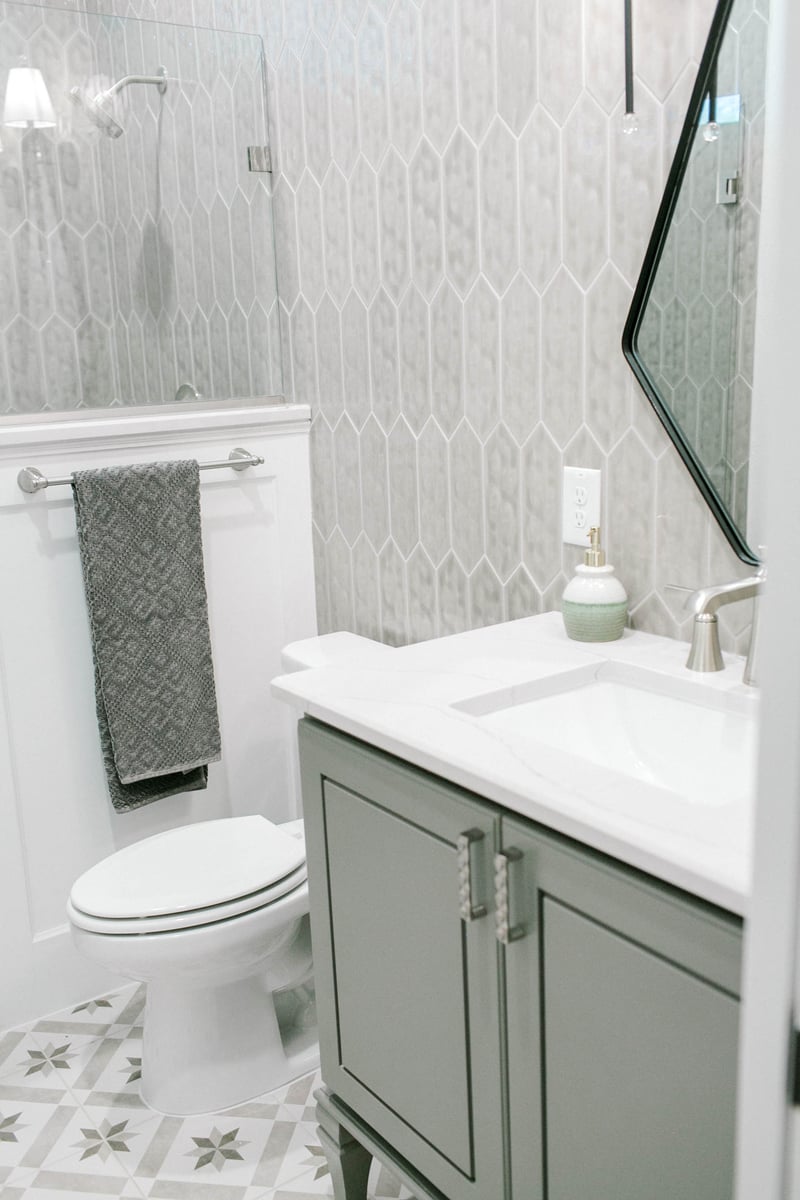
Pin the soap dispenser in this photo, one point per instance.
(594, 604)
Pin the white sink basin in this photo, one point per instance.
(677, 735)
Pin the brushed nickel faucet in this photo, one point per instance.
(704, 653)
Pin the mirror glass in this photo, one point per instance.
(690, 332)
(136, 247)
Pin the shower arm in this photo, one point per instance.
(159, 79)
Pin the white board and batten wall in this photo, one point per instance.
(55, 816)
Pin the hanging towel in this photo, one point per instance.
(142, 556)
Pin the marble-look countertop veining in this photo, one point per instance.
(401, 701)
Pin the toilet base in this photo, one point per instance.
(207, 1049)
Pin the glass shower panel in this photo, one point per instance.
(136, 245)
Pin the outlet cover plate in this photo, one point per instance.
(580, 506)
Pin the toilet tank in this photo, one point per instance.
(329, 650)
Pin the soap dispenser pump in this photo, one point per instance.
(594, 604)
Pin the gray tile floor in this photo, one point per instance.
(72, 1123)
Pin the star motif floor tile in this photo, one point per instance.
(73, 1124)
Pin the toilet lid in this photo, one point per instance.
(195, 866)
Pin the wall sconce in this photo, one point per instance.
(27, 104)
(630, 123)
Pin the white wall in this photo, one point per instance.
(55, 816)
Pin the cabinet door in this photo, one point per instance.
(407, 991)
(622, 1000)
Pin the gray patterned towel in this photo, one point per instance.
(142, 556)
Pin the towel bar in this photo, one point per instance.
(31, 479)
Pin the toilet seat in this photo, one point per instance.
(194, 875)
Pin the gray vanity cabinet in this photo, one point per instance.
(505, 1015)
(622, 1009)
(407, 993)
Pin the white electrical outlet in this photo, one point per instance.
(580, 506)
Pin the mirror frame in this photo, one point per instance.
(644, 286)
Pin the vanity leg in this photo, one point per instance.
(348, 1161)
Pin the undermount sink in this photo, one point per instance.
(672, 734)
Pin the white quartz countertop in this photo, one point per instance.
(401, 701)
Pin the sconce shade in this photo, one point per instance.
(27, 103)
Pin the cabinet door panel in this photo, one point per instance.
(407, 993)
(397, 935)
(640, 1069)
(622, 1031)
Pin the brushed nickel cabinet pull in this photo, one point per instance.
(505, 930)
(464, 844)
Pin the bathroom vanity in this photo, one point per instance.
(527, 962)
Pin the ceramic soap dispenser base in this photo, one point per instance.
(595, 604)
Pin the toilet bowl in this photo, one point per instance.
(213, 917)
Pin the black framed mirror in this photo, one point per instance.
(689, 333)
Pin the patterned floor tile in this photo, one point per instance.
(112, 1076)
(97, 1144)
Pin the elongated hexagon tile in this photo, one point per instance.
(439, 100)
(423, 615)
(336, 233)
(541, 526)
(393, 585)
(516, 61)
(343, 99)
(25, 369)
(434, 491)
(384, 360)
(375, 482)
(322, 476)
(447, 370)
(304, 355)
(585, 139)
(560, 37)
(690, 233)
(476, 65)
(315, 108)
(608, 377)
(604, 70)
(662, 47)
(522, 597)
(309, 239)
(461, 212)
(60, 366)
(329, 359)
(540, 198)
(347, 479)
(355, 360)
(562, 357)
(486, 598)
(503, 509)
(453, 594)
(499, 206)
(285, 243)
(373, 108)
(364, 230)
(415, 370)
(405, 81)
(393, 209)
(520, 318)
(630, 534)
(340, 581)
(403, 487)
(467, 496)
(366, 591)
(482, 359)
(426, 219)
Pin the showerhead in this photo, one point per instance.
(97, 107)
(96, 111)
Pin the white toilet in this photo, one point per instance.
(213, 917)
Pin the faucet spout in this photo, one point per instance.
(704, 653)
